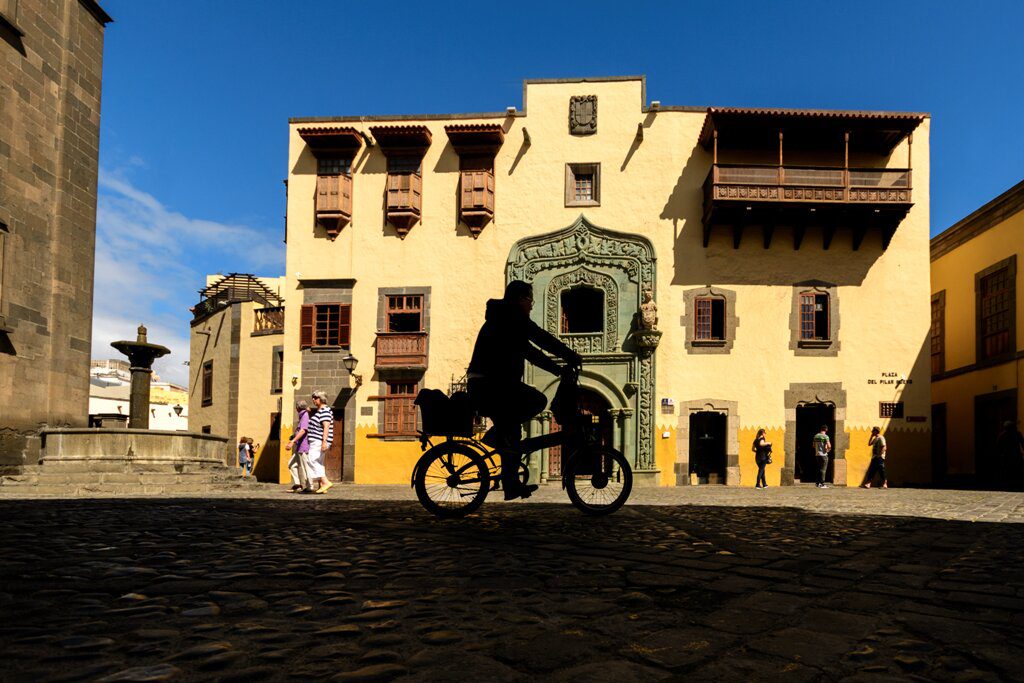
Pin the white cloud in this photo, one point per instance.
(150, 262)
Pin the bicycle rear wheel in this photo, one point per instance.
(598, 480)
(452, 480)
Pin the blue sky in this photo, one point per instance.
(197, 95)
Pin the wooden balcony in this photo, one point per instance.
(744, 194)
(269, 320)
(334, 202)
(401, 351)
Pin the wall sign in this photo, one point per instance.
(890, 378)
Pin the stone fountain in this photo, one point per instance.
(136, 459)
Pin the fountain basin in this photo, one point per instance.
(138, 448)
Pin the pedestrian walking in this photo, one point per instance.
(1010, 451)
(877, 466)
(244, 455)
(321, 435)
(822, 447)
(298, 444)
(762, 456)
(253, 449)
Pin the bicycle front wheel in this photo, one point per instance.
(598, 480)
(452, 480)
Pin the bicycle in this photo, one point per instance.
(452, 478)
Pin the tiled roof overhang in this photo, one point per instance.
(327, 140)
(475, 137)
(876, 130)
(401, 137)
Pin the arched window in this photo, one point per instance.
(582, 310)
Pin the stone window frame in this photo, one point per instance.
(815, 347)
(571, 171)
(979, 354)
(732, 438)
(399, 375)
(206, 373)
(277, 370)
(689, 320)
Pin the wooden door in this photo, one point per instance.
(334, 460)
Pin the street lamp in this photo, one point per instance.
(350, 362)
(177, 409)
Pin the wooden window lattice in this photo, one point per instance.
(399, 414)
(891, 409)
(710, 319)
(814, 317)
(208, 383)
(938, 341)
(997, 302)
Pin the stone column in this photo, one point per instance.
(616, 416)
(545, 429)
(625, 418)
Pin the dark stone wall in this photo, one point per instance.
(49, 148)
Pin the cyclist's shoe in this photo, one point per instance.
(520, 492)
(492, 437)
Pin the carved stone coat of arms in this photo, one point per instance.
(583, 115)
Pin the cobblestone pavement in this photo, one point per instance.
(793, 584)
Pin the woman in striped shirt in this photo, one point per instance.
(321, 434)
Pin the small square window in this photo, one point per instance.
(583, 184)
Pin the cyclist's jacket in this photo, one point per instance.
(504, 344)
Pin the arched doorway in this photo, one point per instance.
(810, 418)
(591, 403)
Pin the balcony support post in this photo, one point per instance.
(910, 160)
(798, 232)
(827, 235)
(846, 166)
(714, 153)
(768, 229)
(782, 172)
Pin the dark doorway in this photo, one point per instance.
(940, 462)
(708, 446)
(268, 466)
(591, 403)
(334, 460)
(809, 419)
(990, 412)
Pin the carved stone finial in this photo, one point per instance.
(142, 334)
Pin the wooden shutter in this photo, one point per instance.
(415, 190)
(328, 193)
(344, 325)
(807, 316)
(703, 327)
(345, 190)
(306, 318)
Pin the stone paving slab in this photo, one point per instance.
(281, 587)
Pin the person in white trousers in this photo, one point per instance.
(321, 434)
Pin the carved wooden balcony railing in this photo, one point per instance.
(401, 351)
(734, 182)
(739, 194)
(269, 320)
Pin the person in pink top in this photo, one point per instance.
(299, 446)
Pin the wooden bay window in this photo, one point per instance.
(404, 147)
(334, 149)
(477, 145)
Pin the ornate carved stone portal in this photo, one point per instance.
(583, 115)
(622, 267)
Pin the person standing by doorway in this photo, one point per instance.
(299, 446)
(762, 456)
(822, 447)
(244, 456)
(321, 435)
(877, 466)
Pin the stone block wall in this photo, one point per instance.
(51, 57)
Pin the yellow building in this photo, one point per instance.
(977, 339)
(786, 251)
(236, 363)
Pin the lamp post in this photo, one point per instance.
(350, 362)
(177, 409)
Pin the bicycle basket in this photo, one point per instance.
(443, 415)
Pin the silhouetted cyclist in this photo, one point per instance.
(495, 376)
